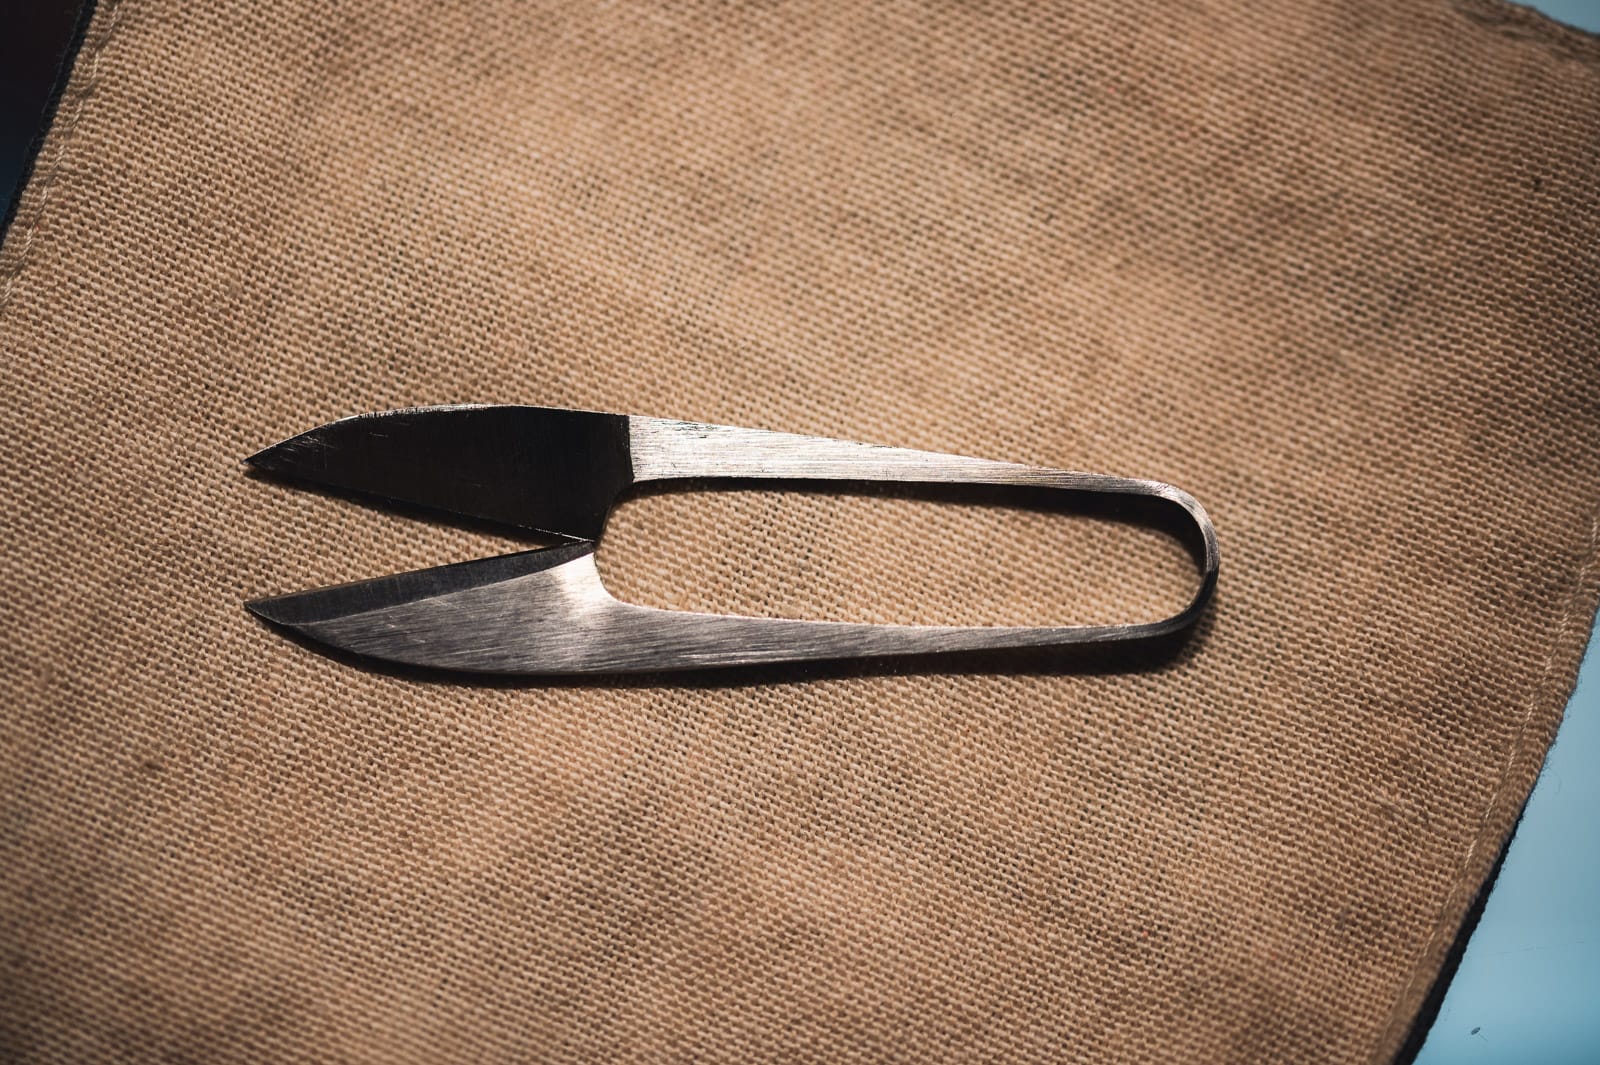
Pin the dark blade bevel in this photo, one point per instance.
(537, 468)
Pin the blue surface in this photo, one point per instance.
(1582, 13)
(1529, 986)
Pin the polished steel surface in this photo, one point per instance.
(561, 471)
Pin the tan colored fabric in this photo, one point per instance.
(1332, 267)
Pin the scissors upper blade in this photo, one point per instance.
(538, 468)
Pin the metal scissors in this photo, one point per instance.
(560, 472)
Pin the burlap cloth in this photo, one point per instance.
(1332, 267)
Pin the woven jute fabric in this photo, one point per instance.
(1333, 267)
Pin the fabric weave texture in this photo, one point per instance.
(1332, 267)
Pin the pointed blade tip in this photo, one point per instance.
(267, 608)
(275, 458)
(294, 611)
